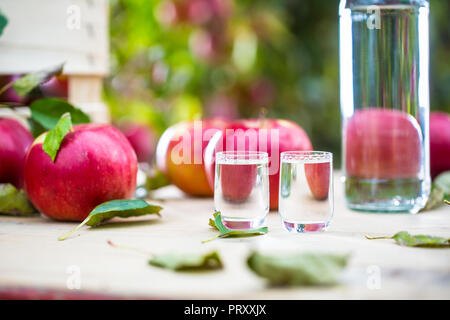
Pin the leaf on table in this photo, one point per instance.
(299, 269)
(229, 233)
(54, 137)
(3, 22)
(403, 238)
(116, 208)
(28, 82)
(188, 262)
(45, 114)
(14, 202)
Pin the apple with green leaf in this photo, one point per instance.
(70, 170)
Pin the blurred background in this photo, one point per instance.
(178, 59)
(172, 60)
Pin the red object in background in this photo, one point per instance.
(279, 136)
(15, 140)
(95, 164)
(10, 95)
(318, 177)
(237, 181)
(57, 87)
(179, 154)
(439, 142)
(143, 140)
(382, 144)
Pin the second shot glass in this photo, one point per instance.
(306, 190)
(241, 188)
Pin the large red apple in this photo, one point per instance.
(269, 135)
(179, 154)
(15, 140)
(439, 142)
(143, 140)
(382, 144)
(95, 164)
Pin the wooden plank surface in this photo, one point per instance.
(40, 34)
(31, 256)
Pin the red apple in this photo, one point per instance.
(143, 140)
(382, 144)
(439, 142)
(15, 140)
(56, 86)
(95, 164)
(179, 154)
(269, 135)
(318, 177)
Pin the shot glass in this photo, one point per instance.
(241, 188)
(306, 190)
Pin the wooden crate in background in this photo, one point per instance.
(43, 33)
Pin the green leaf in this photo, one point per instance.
(301, 269)
(188, 262)
(155, 180)
(435, 199)
(403, 238)
(3, 22)
(55, 136)
(116, 208)
(439, 191)
(14, 202)
(229, 233)
(443, 181)
(28, 82)
(212, 223)
(219, 224)
(46, 113)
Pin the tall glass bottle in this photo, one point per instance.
(385, 104)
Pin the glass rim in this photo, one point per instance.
(242, 155)
(306, 156)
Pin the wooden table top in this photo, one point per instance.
(33, 260)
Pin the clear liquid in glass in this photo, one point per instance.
(306, 193)
(241, 192)
(385, 105)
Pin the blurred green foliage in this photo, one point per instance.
(183, 59)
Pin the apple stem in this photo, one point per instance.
(376, 238)
(74, 229)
